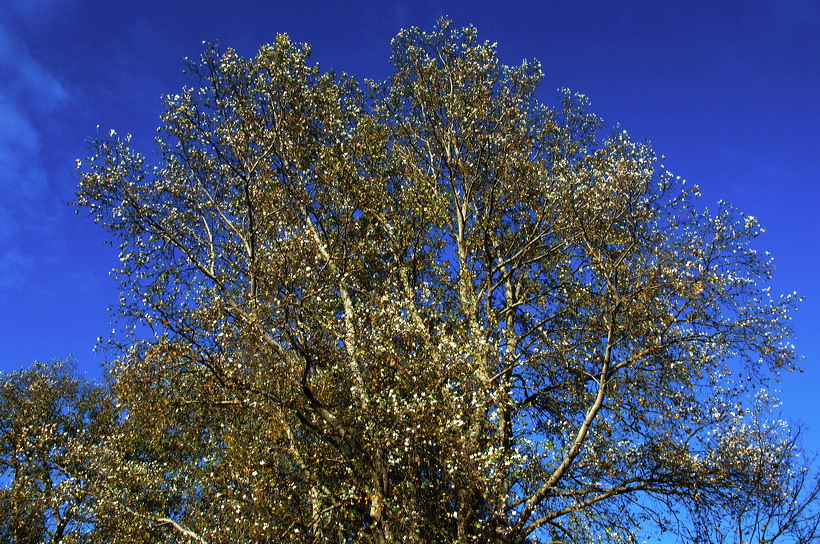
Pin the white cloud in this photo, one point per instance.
(29, 95)
(28, 82)
(22, 182)
(14, 266)
(35, 11)
(21, 173)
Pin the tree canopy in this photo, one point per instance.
(430, 309)
(49, 421)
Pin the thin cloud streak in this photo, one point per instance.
(28, 97)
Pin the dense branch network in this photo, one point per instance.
(429, 309)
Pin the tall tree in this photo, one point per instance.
(430, 310)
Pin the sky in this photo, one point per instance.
(728, 91)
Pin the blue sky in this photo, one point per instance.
(727, 90)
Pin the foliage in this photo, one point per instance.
(49, 420)
(431, 309)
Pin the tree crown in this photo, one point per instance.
(432, 308)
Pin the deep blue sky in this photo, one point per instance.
(727, 90)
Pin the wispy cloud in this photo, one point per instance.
(29, 80)
(21, 174)
(14, 267)
(28, 95)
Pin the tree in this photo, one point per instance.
(431, 309)
(49, 420)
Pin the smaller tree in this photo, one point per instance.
(49, 419)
